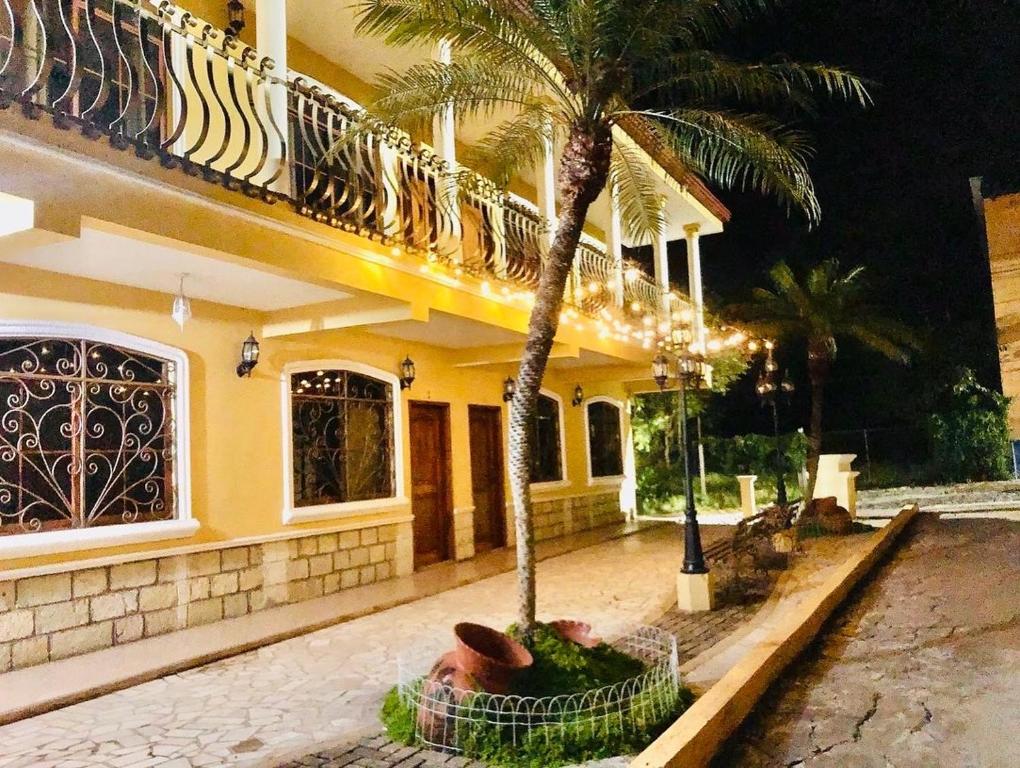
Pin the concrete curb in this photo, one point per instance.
(692, 740)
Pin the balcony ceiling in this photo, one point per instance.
(450, 331)
(122, 259)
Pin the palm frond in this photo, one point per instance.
(742, 151)
(706, 77)
(497, 31)
(472, 86)
(515, 143)
(640, 200)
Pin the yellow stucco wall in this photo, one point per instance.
(1002, 220)
(236, 424)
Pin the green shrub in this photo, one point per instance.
(560, 667)
(970, 433)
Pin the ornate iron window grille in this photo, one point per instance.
(86, 435)
(342, 438)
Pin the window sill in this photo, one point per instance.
(609, 480)
(55, 542)
(296, 515)
(551, 485)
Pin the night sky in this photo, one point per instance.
(893, 181)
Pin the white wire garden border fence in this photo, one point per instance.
(451, 719)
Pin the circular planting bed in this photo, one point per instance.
(575, 701)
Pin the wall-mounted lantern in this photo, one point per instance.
(578, 396)
(660, 371)
(509, 389)
(407, 373)
(235, 17)
(249, 356)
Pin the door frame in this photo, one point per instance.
(447, 475)
(501, 506)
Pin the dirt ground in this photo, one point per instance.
(921, 669)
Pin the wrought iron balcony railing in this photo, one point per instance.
(153, 78)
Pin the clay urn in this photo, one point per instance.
(578, 632)
(492, 658)
(445, 687)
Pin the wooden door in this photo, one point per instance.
(430, 482)
(486, 432)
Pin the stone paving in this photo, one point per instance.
(287, 699)
(921, 670)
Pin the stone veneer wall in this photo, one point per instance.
(561, 517)
(45, 618)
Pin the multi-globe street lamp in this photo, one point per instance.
(687, 366)
(770, 387)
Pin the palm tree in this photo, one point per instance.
(571, 70)
(824, 305)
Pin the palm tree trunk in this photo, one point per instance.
(583, 172)
(819, 363)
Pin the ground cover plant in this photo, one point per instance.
(592, 731)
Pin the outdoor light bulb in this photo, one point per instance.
(686, 316)
(769, 345)
(635, 306)
(181, 310)
(594, 287)
(714, 345)
(752, 346)
(632, 274)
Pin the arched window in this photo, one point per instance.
(547, 441)
(341, 439)
(604, 419)
(92, 435)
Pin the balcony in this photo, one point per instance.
(172, 89)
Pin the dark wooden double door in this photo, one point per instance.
(431, 497)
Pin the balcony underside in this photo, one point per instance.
(100, 220)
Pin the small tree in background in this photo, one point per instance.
(970, 432)
(819, 306)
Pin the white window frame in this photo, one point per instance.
(293, 514)
(74, 539)
(619, 405)
(564, 482)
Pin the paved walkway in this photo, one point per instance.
(287, 699)
(922, 670)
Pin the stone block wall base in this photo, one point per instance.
(695, 592)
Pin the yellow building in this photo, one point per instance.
(165, 191)
(1001, 213)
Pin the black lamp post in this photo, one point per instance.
(690, 371)
(769, 388)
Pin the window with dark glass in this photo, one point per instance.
(342, 433)
(86, 435)
(546, 446)
(605, 442)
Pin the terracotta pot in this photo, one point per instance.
(444, 688)
(576, 632)
(491, 657)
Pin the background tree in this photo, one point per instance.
(821, 306)
(571, 70)
(970, 432)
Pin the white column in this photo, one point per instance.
(545, 185)
(444, 142)
(660, 247)
(271, 41)
(694, 282)
(614, 244)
